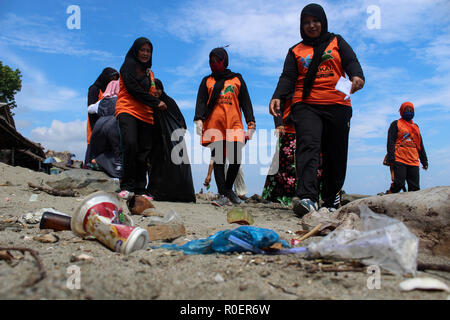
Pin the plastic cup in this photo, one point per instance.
(98, 215)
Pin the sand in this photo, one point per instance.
(171, 275)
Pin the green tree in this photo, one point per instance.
(10, 84)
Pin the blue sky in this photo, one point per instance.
(406, 59)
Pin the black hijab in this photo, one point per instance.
(319, 44)
(134, 67)
(220, 77)
(172, 106)
(104, 78)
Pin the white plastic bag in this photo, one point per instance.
(384, 241)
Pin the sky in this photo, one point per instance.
(403, 48)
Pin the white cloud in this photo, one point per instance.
(63, 136)
(44, 34)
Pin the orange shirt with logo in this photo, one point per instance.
(126, 103)
(406, 149)
(225, 121)
(330, 70)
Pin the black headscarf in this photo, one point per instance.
(104, 78)
(319, 44)
(220, 77)
(134, 67)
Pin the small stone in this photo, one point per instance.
(47, 238)
(81, 257)
(218, 278)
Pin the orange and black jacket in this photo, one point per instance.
(202, 112)
(400, 148)
(338, 59)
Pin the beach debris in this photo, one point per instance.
(218, 278)
(99, 216)
(47, 238)
(239, 216)
(296, 240)
(81, 257)
(33, 197)
(35, 217)
(167, 232)
(170, 217)
(52, 191)
(423, 284)
(5, 255)
(55, 221)
(35, 255)
(209, 196)
(422, 266)
(12, 224)
(385, 241)
(137, 204)
(255, 239)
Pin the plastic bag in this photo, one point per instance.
(257, 238)
(169, 181)
(384, 241)
(170, 217)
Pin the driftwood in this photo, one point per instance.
(54, 192)
(421, 266)
(35, 254)
(311, 233)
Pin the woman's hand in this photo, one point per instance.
(199, 127)
(162, 106)
(251, 127)
(280, 131)
(357, 84)
(207, 181)
(274, 107)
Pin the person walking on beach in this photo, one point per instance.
(404, 150)
(221, 99)
(135, 105)
(320, 113)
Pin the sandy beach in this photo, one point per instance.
(172, 275)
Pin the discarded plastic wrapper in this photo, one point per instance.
(257, 238)
(170, 217)
(98, 216)
(385, 241)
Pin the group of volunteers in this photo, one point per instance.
(312, 120)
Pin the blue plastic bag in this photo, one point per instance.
(257, 238)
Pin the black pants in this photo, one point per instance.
(404, 172)
(220, 151)
(137, 143)
(321, 128)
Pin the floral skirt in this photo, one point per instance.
(281, 186)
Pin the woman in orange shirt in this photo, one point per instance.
(320, 113)
(135, 106)
(404, 150)
(221, 99)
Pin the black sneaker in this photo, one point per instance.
(230, 194)
(303, 206)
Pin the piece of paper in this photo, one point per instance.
(345, 86)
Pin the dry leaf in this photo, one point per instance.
(47, 238)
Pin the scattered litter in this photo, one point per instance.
(98, 215)
(33, 197)
(170, 217)
(55, 221)
(35, 217)
(384, 241)
(138, 204)
(47, 238)
(218, 278)
(7, 199)
(423, 284)
(255, 238)
(27, 238)
(239, 216)
(166, 232)
(81, 257)
(5, 255)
